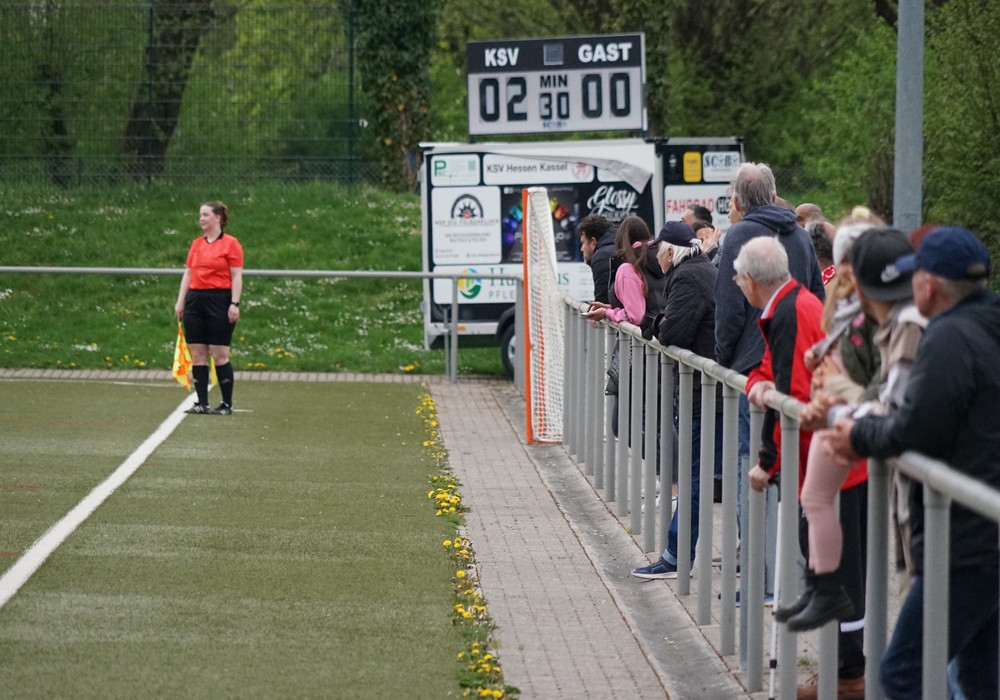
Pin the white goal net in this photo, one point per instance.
(544, 321)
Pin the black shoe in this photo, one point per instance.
(223, 409)
(199, 408)
(782, 613)
(828, 602)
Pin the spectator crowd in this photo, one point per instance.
(890, 340)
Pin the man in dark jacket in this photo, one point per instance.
(949, 413)
(738, 342)
(687, 321)
(597, 242)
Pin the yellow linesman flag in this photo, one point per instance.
(213, 378)
(182, 359)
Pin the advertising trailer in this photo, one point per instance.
(471, 218)
(471, 215)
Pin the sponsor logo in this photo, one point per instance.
(467, 207)
(615, 204)
(469, 288)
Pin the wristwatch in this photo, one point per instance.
(235, 303)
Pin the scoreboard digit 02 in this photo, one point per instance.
(580, 83)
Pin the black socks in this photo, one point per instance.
(225, 374)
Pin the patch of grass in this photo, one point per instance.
(285, 551)
(94, 322)
(480, 674)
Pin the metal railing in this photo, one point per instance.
(451, 349)
(622, 475)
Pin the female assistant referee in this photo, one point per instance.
(209, 304)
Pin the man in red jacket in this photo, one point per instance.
(790, 323)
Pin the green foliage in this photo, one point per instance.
(724, 80)
(962, 120)
(235, 89)
(395, 42)
(101, 321)
(848, 119)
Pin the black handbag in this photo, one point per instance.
(611, 388)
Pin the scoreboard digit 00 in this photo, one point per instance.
(580, 83)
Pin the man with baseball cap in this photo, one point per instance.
(949, 412)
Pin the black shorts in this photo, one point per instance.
(206, 317)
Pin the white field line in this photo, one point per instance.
(29, 562)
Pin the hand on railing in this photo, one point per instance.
(757, 391)
(598, 310)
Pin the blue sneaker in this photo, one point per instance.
(768, 599)
(661, 569)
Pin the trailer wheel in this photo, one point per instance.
(508, 350)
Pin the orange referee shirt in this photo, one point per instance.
(210, 262)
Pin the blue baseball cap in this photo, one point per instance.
(950, 252)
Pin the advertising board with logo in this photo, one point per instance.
(698, 171)
(475, 218)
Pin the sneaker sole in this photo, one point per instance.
(654, 577)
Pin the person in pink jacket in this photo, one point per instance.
(628, 303)
(637, 294)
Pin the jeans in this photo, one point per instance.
(742, 450)
(670, 553)
(972, 638)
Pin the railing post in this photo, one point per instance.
(788, 543)
(727, 631)
(453, 369)
(624, 401)
(936, 585)
(635, 436)
(706, 474)
(651, 424)
(686, 374)
(610, 447)
(595, 405)
(667, 365)
(877, 580)
(828, 634)
(571, 375)
(753, 527)
(752, 582)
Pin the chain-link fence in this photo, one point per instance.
(104, 92)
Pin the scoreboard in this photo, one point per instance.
(580, 83)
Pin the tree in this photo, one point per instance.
(962, 117)
(175, 31)
(395, 41)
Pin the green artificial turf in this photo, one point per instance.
(286, 551)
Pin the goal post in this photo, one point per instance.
(544, 321)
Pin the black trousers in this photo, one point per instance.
(852, 573)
